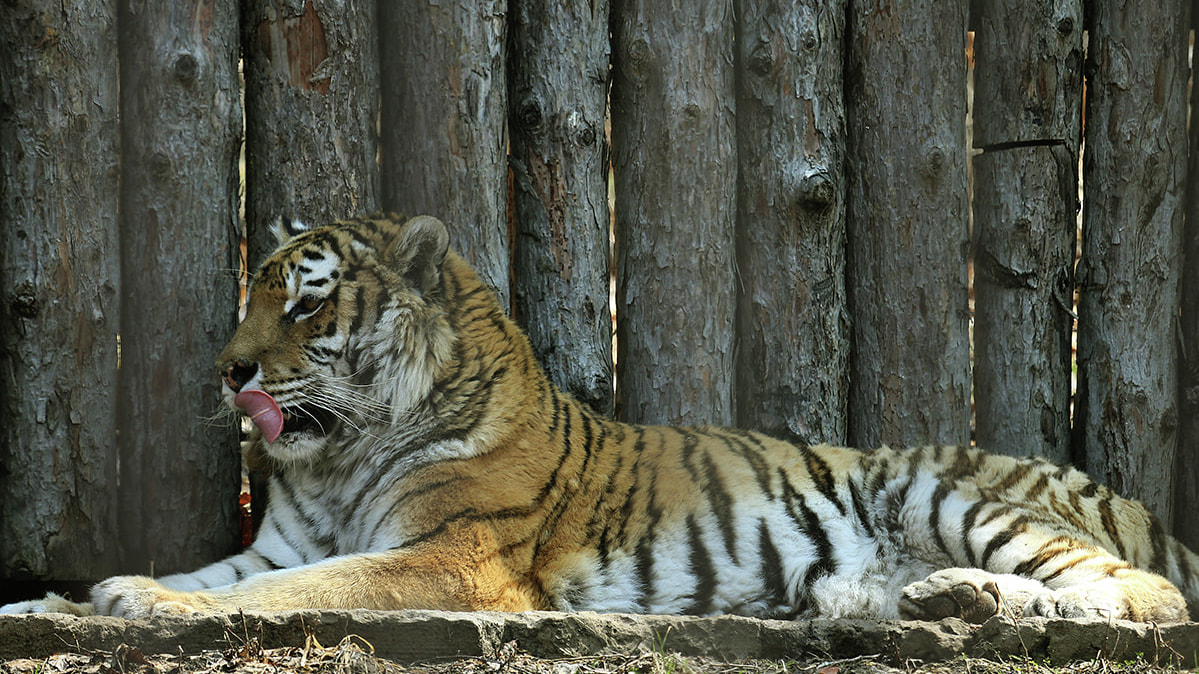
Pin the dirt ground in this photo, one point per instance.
(358, 642)
(353, 656)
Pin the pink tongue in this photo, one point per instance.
(263, 411)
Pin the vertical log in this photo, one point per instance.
(792, 325)
(907, 217)
(1126, 419)
(60, 279)
(1186, 491)
(180, 128)
(312, 83)
(1028, 122)
(675, 170)
(444, 133)
(558, 92)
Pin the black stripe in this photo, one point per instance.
(690, 442)
(859, 508)
(359, 310)
(809, 523)
(601, 515)
(772, 566)
(1009, 533)
(822, 477)
(1108, 519)
(323, 541)
(934, 516)
(756, 463)
(722, 506)
(967, 526)
(701, 568)
(1157, 541)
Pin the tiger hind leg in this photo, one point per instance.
(975, 595)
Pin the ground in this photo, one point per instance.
(365, 642)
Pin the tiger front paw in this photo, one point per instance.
(51, 603)
(140, 597)
(969, 594)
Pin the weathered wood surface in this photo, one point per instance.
(1186, 464)
(312, 107)
(792, 376)
(59, 275)
(179, 476)
(1126, 419)
(1028, 123)
(443, 136)
(907, 218)
(675, 165)
(558, 86)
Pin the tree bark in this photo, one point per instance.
(907, 218)
(444, 133)
(792, 321)
(1127, 411)
(181, 124)
(1028, 117)
(558, 91)
(60, 276)
(312, 83)
(675, 168)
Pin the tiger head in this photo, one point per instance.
(343, 333)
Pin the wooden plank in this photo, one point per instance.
(312, 82)
(907, 237)
(558, 89)
(792, 321)
(60, 279)
(443, 136)
(180, 132)
(1126, 415)
(674, 159)
(1028, 123)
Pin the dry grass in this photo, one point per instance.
(244, 654)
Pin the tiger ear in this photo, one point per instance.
(419, 251)
(286, 228)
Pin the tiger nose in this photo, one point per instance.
(238, 373)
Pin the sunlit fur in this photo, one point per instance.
(449, 473)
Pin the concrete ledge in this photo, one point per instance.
(415, 636)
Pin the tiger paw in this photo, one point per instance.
(1076, 603)
(139, 597)
(51, 603)
(969, 594)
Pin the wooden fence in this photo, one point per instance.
(792, 217)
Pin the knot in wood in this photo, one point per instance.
(816, 191)
(1065, 25)
(932, 164)
(186, 68)
(761, 59)
(529, 114)
(638, 56)
(24, 301)
(578, 130)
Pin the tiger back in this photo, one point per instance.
(422, 459)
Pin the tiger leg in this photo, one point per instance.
(974, 595)
(434, 575)
(1035, 569)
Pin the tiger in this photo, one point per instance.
(421, 458)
